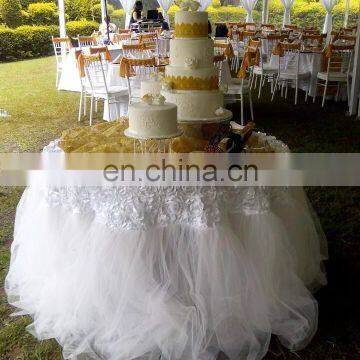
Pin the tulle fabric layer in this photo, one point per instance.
(175, 292)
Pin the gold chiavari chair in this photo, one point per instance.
(61, 49)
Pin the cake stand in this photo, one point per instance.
(158, 143)
(226, 116)
(204, 128)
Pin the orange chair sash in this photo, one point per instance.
(127, 65)
(99, 50)
(133, 47)
(251, 58)
(228, 49)
(281, 47)
(328, 51)
(254, 43)
(81, 62)
(143, 37)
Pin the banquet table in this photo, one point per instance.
(169, 272)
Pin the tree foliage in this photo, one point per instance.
(10, 12)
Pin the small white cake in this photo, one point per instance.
(152, 121)
(150, 87)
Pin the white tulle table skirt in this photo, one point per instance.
(171, 273)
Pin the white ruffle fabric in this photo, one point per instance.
(167, 273)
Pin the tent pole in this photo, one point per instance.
(62, 26)
(265, 11)
(103, 9)
(355, 84)
(346, 17)
(107, 19)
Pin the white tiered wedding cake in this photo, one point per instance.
(191, 80)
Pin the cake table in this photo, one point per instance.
(175, 273)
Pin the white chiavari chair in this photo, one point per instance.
(163, 50)
(236, 89)
(149, 40)
(263, 70)
(250, 26)
(136, 51)
(120, 38)
(237, 45)
(218, 62)
(289, 71)
(291, 27)
(338, 69)
(93, 75)
(86, 41)
(269, 43)
(313, 41)
(135, 71)
(267, 27)
(61, 49)
(343, 39)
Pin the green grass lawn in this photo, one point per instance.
(39, 113)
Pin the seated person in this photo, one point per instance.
(137, 14)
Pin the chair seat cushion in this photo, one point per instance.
(291, 74)
(235, 87)
(112, 90)
(333, 76)
(266, 69)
